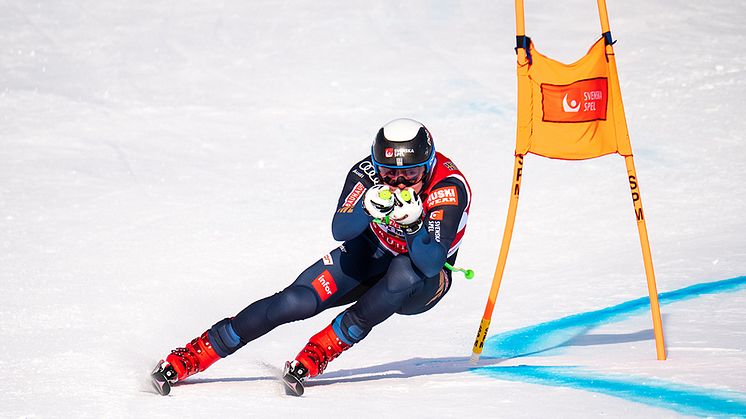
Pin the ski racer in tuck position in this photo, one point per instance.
(401, 215)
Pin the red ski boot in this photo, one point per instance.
(312, 360)
(183, 362)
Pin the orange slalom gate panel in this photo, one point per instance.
(570, 111)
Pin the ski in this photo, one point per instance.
(291, 380)
(163, 377)
(159, 378)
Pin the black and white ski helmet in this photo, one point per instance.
(403, 143)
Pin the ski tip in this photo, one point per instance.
(293, 387)
(160, 383)
(159, 379)
(292, 383)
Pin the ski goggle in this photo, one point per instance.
(401, 176)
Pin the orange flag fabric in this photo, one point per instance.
(570, 111)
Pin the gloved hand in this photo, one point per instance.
(407, 210)
(378, 201)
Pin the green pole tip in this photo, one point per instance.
(468, 273)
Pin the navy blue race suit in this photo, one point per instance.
(380, 268)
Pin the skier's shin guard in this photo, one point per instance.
(350, 327)
(224, 338)
(320, 349)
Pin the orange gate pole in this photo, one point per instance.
(501, 260)
(647, 258)
(655, 310)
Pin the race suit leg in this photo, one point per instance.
(333, 280)
(403, 289)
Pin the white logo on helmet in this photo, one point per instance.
(400, 152)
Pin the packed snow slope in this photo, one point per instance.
(164, 163)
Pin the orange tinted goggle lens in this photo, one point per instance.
(408, 176)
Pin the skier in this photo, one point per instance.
(401, 215)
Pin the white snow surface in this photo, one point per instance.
(165, 163)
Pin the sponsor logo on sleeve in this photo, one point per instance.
(436, 215)
(582, 101)
(434, 227)
(328, 259)
(442, 196)
(450, 166)
(354, 195)
(324, 285)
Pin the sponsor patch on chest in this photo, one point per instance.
(442, 196)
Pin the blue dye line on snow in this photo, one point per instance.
(684, 399)
(554, 334)
(557, 333)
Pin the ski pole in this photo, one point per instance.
(468, 273)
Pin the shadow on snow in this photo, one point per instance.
(560, 333)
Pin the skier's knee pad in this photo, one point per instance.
(401, 276)
(350, 328)
(293, 303)
(224, 338)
